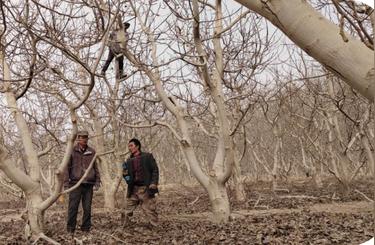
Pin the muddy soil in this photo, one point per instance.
(301, 215)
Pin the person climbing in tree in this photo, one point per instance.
(115, 50)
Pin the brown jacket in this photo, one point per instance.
(78, 163)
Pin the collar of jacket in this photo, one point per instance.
(88, 150)
(140, 154)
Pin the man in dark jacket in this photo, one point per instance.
(80, 160)
(115, 45)
(141, 173)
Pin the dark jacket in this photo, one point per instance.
(149, 168)
(78, 163)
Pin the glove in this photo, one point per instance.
(152, 190)
(127, 178)
(96, 186)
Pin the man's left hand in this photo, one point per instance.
(153, 186)
(96, 186)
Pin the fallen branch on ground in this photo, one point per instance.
(363, 194)
(260, 206)
(281, 190)
(111, 235)
(193, 202)
(299, 197)
(334, 197)
(46, 238)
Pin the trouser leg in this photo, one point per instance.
(120, 63)
(74, 199)
(131, 204)
(149, 208)
(110, 57)
(86, 205)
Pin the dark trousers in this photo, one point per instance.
(83, 192)
(119, 60)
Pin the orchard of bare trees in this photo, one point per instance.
(259, 114)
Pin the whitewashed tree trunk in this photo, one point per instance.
(275, 161)
(110, 182)
(35, 213)
(310, 168)
(103, 166)
(317, 36)
(219, 200)
(33, 190)
(30, 184)
(238, 180)
(223, 163)
(373, 127)
(366, 142)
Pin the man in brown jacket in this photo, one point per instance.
(80, 160)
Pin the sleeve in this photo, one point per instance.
(154, 171)
(125, 172)
(97, 173)
(111, 39)
(124, 168)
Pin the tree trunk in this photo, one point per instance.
(276, 154)
(316, 178)
(109, 184)
(109, 198)
(317, 36)
(238, 180)
(219, 200)
(373, 167)
(35, 214)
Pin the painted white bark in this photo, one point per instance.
(276, 162)
(310, 168)
(214, 182)
(219, 200)
(30, 184)
(238, 179)
(110, 184)
(320, 38)
(366, 142)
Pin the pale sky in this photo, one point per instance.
(368, 2)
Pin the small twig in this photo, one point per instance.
(193, 202)
(299, 197)
(256, 203)
(260, 206)
(111, 235)
(281, 190)
(46, 238)
(77, 241)
(334, 197)
(363, 194)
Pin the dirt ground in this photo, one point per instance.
(304, 215)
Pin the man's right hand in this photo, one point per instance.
(96, 186)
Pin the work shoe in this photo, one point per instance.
(123, 76)
(70, 230)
